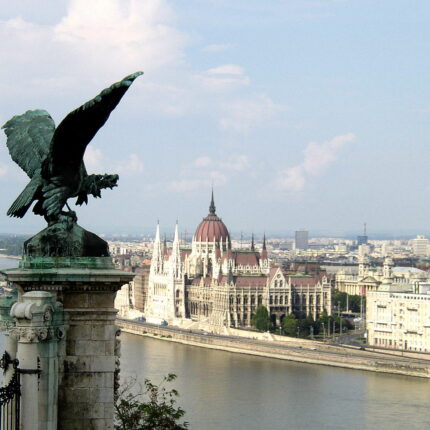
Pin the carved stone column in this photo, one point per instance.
(86, 287)
(6, 324)
(39, 329)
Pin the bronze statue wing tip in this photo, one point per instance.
(132, 77)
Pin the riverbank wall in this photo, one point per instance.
(306, 351)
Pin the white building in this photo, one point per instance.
(421, 246)
(399, 319)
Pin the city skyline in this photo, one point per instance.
(300, 113)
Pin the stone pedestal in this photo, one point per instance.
(86, 287)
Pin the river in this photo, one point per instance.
(222, 390)
(8, 263)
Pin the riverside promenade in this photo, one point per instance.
(292, 349)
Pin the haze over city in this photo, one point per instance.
(307, 114)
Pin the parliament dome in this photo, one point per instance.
(212, 229)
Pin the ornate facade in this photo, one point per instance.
(215, 284)
(371, 278)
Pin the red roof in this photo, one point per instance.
(240, 281)
(211, 229)
(304, 281)
(246, 258)
(251, 281)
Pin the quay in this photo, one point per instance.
(299, 350)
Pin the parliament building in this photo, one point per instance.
(212, 283)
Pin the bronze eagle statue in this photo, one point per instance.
(53, 157)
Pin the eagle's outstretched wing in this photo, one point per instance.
(80, 126)
(28, 138)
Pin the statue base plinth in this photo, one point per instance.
(65, 238)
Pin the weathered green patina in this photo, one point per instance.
(53, 159)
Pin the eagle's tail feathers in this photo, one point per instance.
(20, 206)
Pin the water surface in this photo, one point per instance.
(222, 390)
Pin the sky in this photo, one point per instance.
(307, 114)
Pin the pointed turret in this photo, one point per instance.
(165, 245)
(157, 256)
(176, 236)
(264, 252)
(212, 208)
(176, 263)
(252, 243)
(157, 232)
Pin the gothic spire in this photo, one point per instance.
(252, 243)
(165, 244)
(264, 242)
(176, 237)
(157, 232)
(212, 208)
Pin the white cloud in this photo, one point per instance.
(132, 165)
(94, 41)
(241, 116)
(224, 77)
(93, 159)
(3, 170)
(292, 179)
(218, 178)
(320, 156)
(217, 47)
(317, 158)
(202, 161)
(123, 34)
(237, 162)
(214, 177)
(227, 69)
(187, 184)
(201, 176)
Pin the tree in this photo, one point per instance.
(261, 320)
(339, 298)
(154, 409)
(354, 301)
(289, 325)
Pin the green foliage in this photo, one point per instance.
(354, 301)
(289, 325)
(154, 409)
(261, 320)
